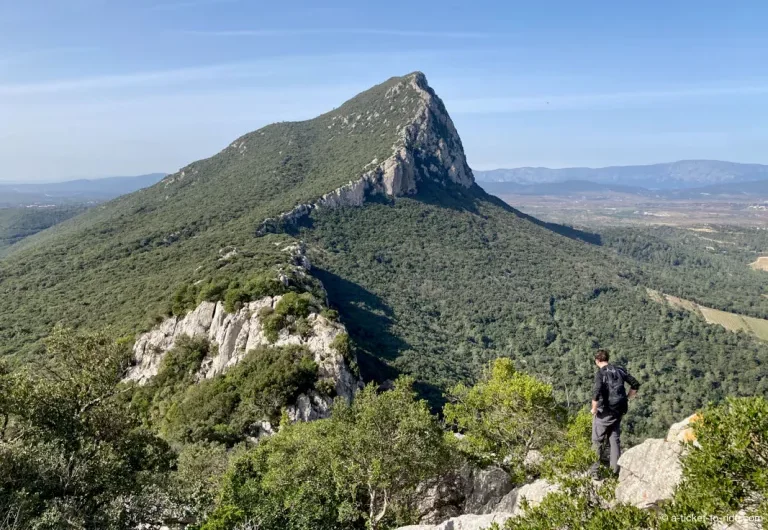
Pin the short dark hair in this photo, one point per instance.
(602, 356)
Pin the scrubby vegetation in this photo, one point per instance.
(290, 313)
(504, 416)
(359, 469)
(71, 454)
(75, 454)
(228, 408)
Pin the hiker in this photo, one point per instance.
(609, 404)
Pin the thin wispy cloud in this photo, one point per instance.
(383, 32)
(597, 100)
(30, 55)
(216, 74)
(188, 4)
(174, 76)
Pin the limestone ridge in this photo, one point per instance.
(428, 148)
(235, 334)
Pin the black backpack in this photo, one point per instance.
(616, 401)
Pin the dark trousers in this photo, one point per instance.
(606, 426)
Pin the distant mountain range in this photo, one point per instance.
(73, 191)
(752, 190)
(673, 175)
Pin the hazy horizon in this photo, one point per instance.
(90, 88)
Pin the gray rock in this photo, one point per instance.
(534, 493)
(508, 502)
(486, 488)
(440, 499)
(429, 136)
(649, 472)
(465, 522)
(235, 334)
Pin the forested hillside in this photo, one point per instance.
(709, 265)
(432, 276)
(19, 223)
(438, 284)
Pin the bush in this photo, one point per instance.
(505, 415)
(580, 504)
(289, 310)
(726, 470)
(229, 407)
(72, 454)
(360, 468)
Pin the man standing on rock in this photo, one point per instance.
(609, 404)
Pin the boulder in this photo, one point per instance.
(441, 499)
(485, 490)
(469, 490)
(649, 472)
(534, 493)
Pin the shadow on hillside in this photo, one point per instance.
(369, 321)
(563, 230)
(451, 196)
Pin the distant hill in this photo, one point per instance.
(73, 191)
(753, 189)
(681, 174)
(24, 221)
(568, 187)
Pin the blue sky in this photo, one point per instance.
(93, 88)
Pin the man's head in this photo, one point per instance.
(601, 357)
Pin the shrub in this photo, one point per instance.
(580, 504)
(505, 415)
(235, 298)
(228, 407)
(726, 470)
(288, 311)
(330, 314)
(360, 468)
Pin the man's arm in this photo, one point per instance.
(634, 384)
(597, 389)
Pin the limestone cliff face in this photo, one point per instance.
(234, 334)
(428, 148)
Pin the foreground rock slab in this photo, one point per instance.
(649, 472)
(464, 522)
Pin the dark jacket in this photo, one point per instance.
(600, 388)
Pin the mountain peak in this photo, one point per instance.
(425, 145)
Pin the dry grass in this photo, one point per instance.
(761, 264)
(730, 321)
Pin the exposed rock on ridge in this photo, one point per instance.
(234, 334)
(428, 148)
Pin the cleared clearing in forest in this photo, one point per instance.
(730, 321)
(760, 264)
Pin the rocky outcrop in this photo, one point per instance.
(476, 492)
(650, 471)
(234, 334)
(428, 147)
